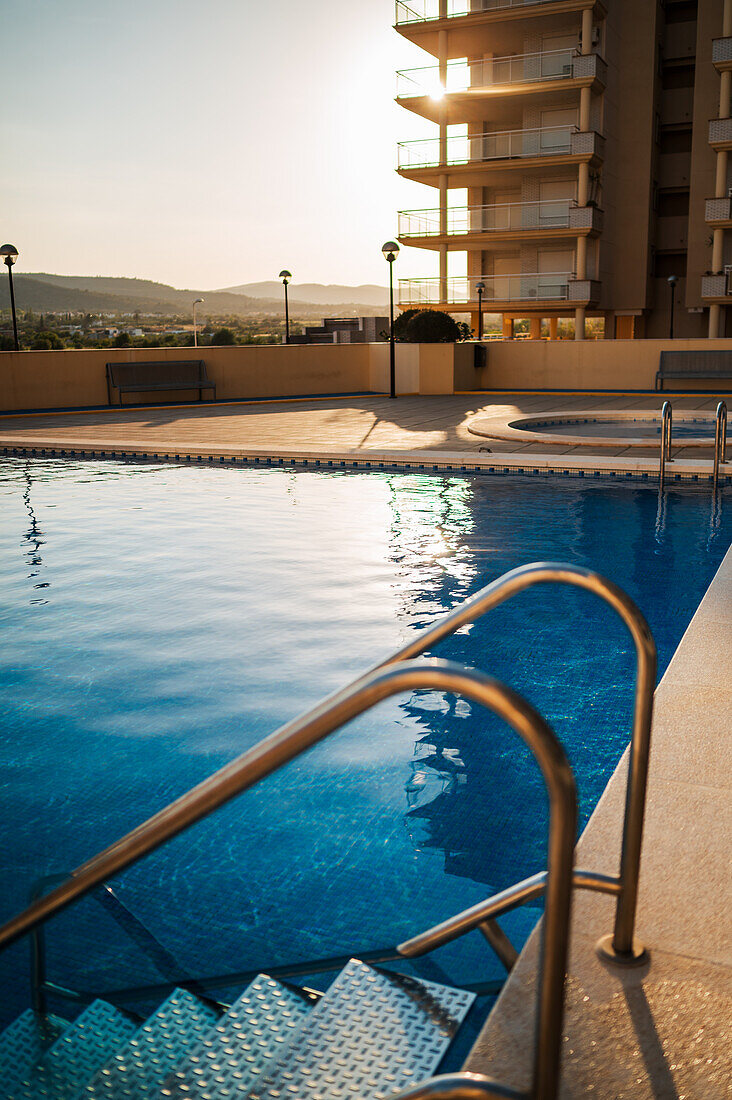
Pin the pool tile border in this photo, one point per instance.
(585, 467)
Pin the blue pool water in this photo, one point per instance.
(158, 620)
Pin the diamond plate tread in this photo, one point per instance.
(23, 1043)
(373, 1033)
(230, 1058)
(70, 1062)
(141, 1066)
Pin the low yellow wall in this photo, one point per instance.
(72, 379)
(75, 379)
(588, 364)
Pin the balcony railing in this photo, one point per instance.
(550, 141)
(718, 210)
(551, 287)
(722, 51)
(501, 218)
(717, 286)
(421, 11)
(720, 131)
(522, 68)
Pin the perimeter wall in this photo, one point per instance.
(31, 380)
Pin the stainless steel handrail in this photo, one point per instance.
(302, 733)
(460, 1086)
(620, 946)
(666, 432)
(720, 441)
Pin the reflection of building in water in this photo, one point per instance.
(33, 538)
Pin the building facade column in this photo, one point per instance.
(442, 63)
(579, 323)
(717, 313)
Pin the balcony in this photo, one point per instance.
(532, 292)
(499, 222)
(424, 11)
(498, 148)
(722, 54)
(422, 90)
(720, 133)
(718, 212)
(717, 288)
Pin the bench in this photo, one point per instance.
(172, 374)
(693, 364)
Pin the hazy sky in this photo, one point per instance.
(206, 144)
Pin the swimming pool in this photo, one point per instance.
(158, 620)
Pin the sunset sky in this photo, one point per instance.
(206, 144)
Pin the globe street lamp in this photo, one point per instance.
(480, 287)
(286, 276)
(391, 251)
(198, 301)
(9, 254)
(672, 281)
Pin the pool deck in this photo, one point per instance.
(662, 1031)
(417, 432)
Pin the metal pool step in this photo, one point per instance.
(23, 1044)
(68, 1064)
(228, 1061)
(140, 1067)
(372, 1033)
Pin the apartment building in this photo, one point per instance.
(579, 161)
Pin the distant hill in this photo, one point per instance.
(318, 293)
(46, 293)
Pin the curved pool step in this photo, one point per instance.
(372, 1033)
(23, 1044)
(139, 1068)
(66, 1067)
(229, 1060)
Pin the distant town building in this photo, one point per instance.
(344, 330)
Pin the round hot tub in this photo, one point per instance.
(597, 429)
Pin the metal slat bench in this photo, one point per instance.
(172, 374)
(693, 364)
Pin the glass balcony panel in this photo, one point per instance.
(541, 287)
(494, 71)
(500, 145)
(418, 11)
(496, 218)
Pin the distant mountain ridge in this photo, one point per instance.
(44, 292)
(319, 293)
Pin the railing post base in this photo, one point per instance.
(637, 956)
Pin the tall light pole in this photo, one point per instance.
(198, 301)
(9, 254)
(286, 276)
(480, 287)
(391, 251)
(672, 281)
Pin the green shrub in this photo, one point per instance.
(429, 326)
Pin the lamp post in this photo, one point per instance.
(672, 281)
(480, 287)
(9, 254)
(391, 251)
(286, 276)
(198, 301)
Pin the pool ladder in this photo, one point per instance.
(720, 441)
(401, 673)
